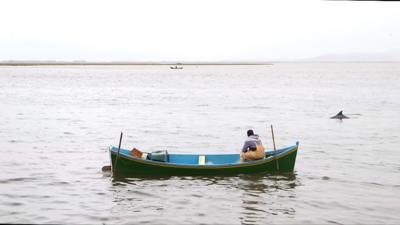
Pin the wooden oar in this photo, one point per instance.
(116, 158)
(273, 140)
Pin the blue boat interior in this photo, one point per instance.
(206, 159)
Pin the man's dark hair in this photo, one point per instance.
(250, 132)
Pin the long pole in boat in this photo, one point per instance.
(273, 140)
(116, 158)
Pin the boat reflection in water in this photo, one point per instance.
(264, 197)
(245, 199)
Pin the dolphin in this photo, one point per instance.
(340, 116)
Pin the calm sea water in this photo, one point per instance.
(56, 124)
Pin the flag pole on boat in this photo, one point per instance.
(116, 158)
(273, 141)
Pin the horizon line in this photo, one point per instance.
(166, 63)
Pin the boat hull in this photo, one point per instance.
(124, 164)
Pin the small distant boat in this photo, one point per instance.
(176, 67)
(125, 162)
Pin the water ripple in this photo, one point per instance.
(54, 143)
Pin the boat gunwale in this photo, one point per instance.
(291, 149)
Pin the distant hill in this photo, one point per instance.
(389, 56)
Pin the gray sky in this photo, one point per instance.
(206, 30)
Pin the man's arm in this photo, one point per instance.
(246, 146)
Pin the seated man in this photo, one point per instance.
(252, 148)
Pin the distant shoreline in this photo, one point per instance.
(44, 63)
(27, 63)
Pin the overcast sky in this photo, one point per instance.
(206, 30)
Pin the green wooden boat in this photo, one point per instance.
(281, 160)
